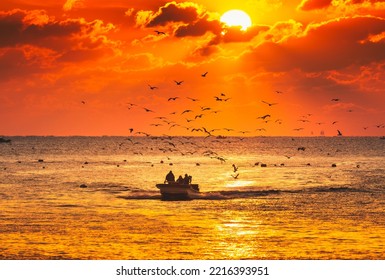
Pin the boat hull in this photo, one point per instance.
(177, 191)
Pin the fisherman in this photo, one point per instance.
(170, 178)
(180, 179)
(186, 179)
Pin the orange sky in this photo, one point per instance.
(73, 68)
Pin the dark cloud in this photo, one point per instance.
(199, 28)
(189, 19)
(15, 30)
(331, 45)
(31, 42)
(173, 12)
(21, 27)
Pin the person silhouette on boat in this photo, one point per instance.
(180, 179)
(186, 179)
(170, 178)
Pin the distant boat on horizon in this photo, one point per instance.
(3, 140)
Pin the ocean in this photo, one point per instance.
(261, 198)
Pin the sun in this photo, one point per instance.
(236, 18)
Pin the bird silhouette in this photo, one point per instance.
(270, 104)
(264, 117)
(173, 98)
(178, 83)
(192, 99)
(204, 74)
(159, 32)
(339, 132)
(235, 168)
(148, 110)
(235, 176)
(152, 87)
(335, 99)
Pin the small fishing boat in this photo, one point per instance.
(3, 140)
(176, 191)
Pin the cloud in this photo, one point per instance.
(188, 19)
(186, 12)
(307, 5)
(199, 28)
(70, 4)
(185, 19)
(36, 43)
(330, 45)
(20, 27)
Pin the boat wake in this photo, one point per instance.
(244, 194)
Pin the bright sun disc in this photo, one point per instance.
(236, 18)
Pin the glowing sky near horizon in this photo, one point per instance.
(82, 67)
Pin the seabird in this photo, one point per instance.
(159, 32)
(264, 117)
(235, 169)
(152, 87)
(270, 104)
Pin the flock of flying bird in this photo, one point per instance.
(194, 115)
(188, 116)
(191, 116)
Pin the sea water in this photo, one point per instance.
(261, 198)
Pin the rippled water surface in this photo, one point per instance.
(297, 207)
